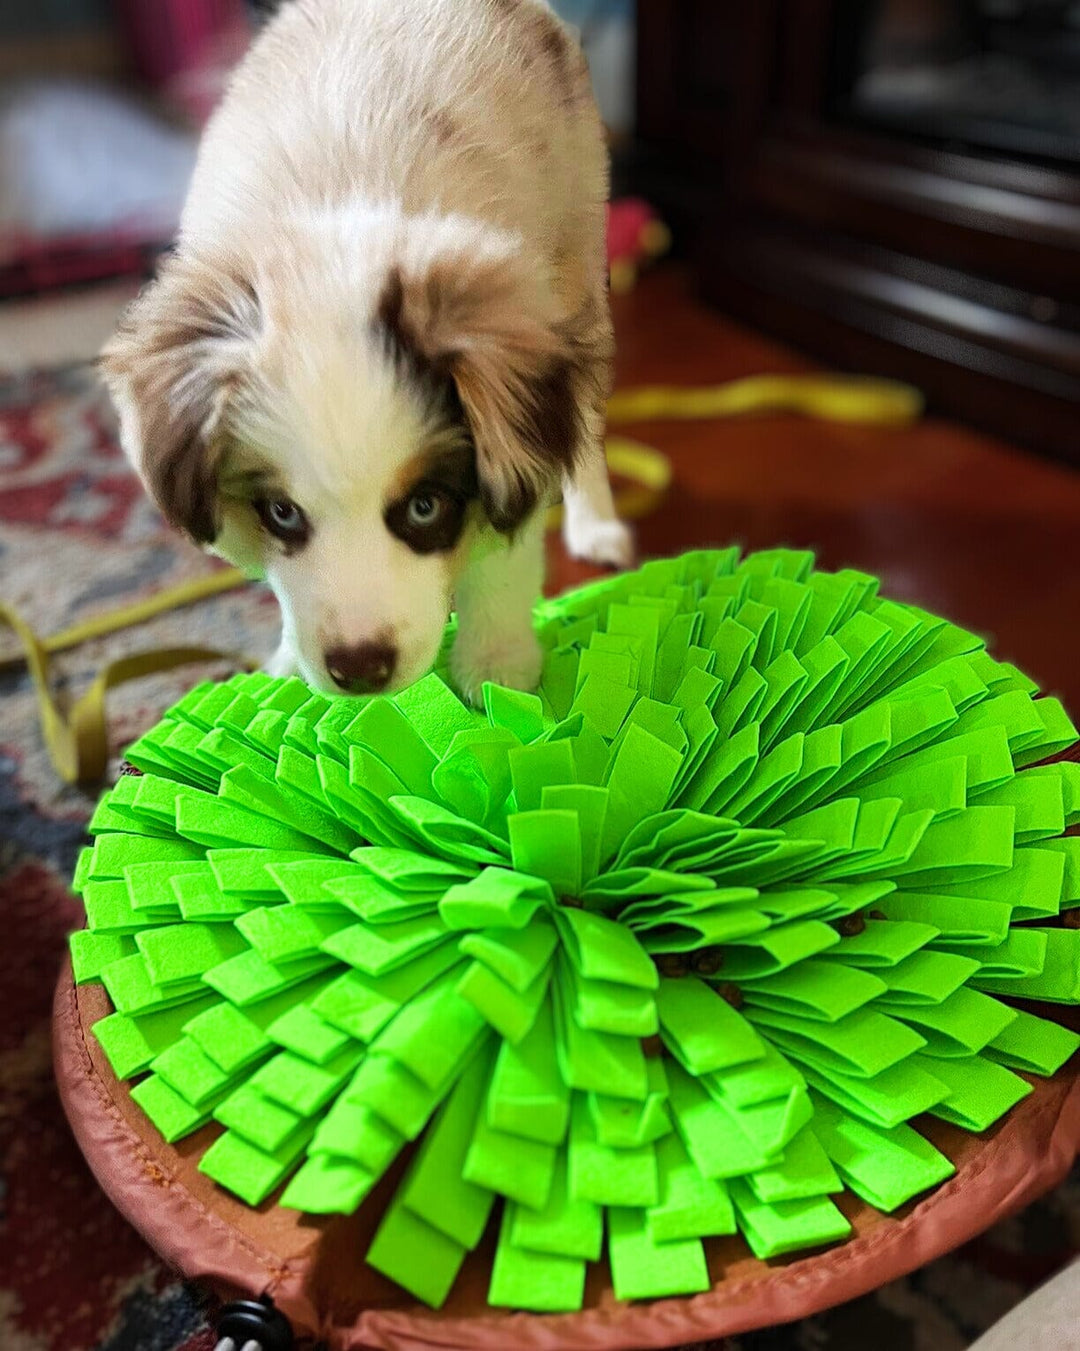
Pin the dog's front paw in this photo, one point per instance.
(283, 663)
(607, 543)
(512, 661)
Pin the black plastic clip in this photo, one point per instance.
(253, 1325)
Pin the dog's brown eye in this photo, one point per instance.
(284, 519)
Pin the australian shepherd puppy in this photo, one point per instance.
(382, 345)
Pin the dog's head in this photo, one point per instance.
(342, 415)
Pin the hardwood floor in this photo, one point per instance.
(968, 527)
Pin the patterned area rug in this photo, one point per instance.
(77, 538)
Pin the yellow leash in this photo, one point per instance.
(77, 740)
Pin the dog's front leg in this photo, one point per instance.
(495, 599)
(591, 528)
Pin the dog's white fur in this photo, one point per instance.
(394, 241)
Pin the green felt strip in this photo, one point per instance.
(1059, 980)
(379, 949)
(690, 1206)
(355, 1133)
(519, 713)
(180, 953)
(433, 1033)
(216, 822)
(711, 1132)
(621, 1123)
(887, 1168)
(173, 1116)
(596, 1062)
(960, 920)
(702, 1029)
(1033, 1045)
(1039, 804)
(111, 854)
(604, 1175)
(496, 897)
(202, 901)
(528, 1096)
(474, 776)
(863, 1043)
(303, 1031)
(434, 1187)
(247, 978)
(511, 1014)
(980, 1092)
(547, 844)
(603, 950)
(642, 1268)
(299, 1085)
(510, 1165)
(235, 1038)
(1033, 885)
(248, 788)
(525, 1279)
(132, 991)
(434, 827)
(362, 1005)
(787, 1226)
(130, 1044)
(287, 933)
(775, 950)
(602, 1006)
(247, 872)
(886, 1099)
(977, 842)
(1058, 733)
(249, 1172)
(803, 1172)
(91, 952)
(562, 1227)
(882, 944)
(328, 1186)
(1022, 954)
(769, 1077)
(816, 990)
(927, 978)
(109, 909)
(150, 886)
(185, 1067)
(395, 1094)
(384, 728)
(326, 885)
(515, 956)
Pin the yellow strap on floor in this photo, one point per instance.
(832, 398)
(77, 741)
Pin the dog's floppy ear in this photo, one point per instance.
(477, 316)
(180, 352)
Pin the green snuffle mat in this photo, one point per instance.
(676, 948)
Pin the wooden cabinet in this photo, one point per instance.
(916, 253)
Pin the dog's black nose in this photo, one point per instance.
(366, 669)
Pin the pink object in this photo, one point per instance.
(186, 48)
(628, 221)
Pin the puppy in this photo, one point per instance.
(382, 344)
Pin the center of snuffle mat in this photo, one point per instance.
(674, 948)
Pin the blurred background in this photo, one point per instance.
(888, 184)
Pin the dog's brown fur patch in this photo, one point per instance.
(175, 359)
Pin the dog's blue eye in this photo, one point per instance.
(284, 519)
(424, 509)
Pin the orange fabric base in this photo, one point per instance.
(315, 1272)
